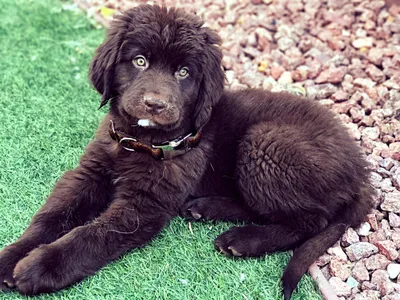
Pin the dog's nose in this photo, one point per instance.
(155, 103)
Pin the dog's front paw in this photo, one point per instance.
(35, 273)
(240, 242)
(9, 257)
(6, 275)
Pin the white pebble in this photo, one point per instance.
(363, 42)
(286, 78)
(393, 270)
(364, 229)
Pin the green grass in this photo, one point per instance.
(48, 113)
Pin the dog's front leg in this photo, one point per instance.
(78, 197)
(128, 223)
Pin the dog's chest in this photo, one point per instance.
(168, 180)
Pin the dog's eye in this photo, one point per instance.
(183, 72)
(140, 61)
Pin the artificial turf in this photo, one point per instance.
(48, 113)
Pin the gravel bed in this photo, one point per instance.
(345, 55)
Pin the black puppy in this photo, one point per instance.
(172, 133)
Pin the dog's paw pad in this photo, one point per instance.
(9, 283)
(227, 250)
(234, 251)
(194, 210)
(240, 242)
(195, 214)
(223, 251)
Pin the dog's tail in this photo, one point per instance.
(314, 247)
(353, 215)
(307, 253)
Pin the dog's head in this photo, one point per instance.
(161, 67)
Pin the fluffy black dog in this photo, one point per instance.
(172, 134)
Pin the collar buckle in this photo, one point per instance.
(125, 143)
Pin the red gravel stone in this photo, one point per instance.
(332, 75)
(377, 261)
(360, 272)
(388, 248)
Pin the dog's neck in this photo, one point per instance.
(149, 134)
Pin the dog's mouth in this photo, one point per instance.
(168, 118)
(151, 112)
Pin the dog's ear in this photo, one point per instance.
(212, 84)
(102, 67)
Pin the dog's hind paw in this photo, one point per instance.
(240, 242)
